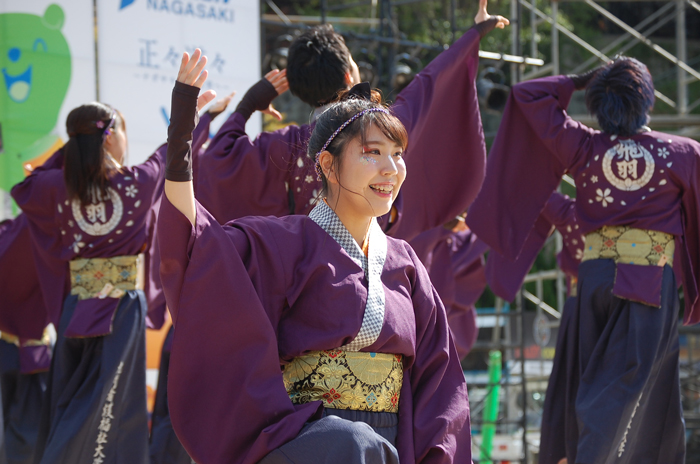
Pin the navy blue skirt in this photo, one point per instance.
(96, 398)
(165, 447)
(620, 401)
(22, 398)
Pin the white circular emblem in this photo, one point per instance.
(96, 223)
(621, 164)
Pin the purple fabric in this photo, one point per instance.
(58, 236)
(267, 290)
(33, 359)
(537, 142)
(454, 261)
(446, 156)
(22, 307)
(506, 277)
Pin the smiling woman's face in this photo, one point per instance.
(371, 174)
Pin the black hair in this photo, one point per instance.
(318, 61)
(348, 106)
(86, 169)
(620, 96)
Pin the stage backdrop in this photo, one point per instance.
(140, 47)
(48, 67)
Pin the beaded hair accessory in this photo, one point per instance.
(339, 130)
(107, 128)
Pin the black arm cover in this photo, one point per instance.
(581, 80)
(258, 97)
(183, 120)
(484, 27)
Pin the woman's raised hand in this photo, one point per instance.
(483, 15)
(278, 79)
(192, 73)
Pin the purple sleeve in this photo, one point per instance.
(207, 402)
(560, 210)
(240, 176)
(690, 244)
(505, 277)
(446, 152)
(22, 309)
(440, 420)
(536, 143)
(36, 196)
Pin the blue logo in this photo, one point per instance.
(125, 3)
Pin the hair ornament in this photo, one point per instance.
(108, 127)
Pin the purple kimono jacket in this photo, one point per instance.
(445, 159)
(505, 277)
(454, 261)
(649, 181)
(124, 224)
(253, 294)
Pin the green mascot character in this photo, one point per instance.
(36, 69)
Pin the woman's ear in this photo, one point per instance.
(326, 161)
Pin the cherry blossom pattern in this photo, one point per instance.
(131, 191)
(603, 196)
(77, 244)
(663, 152)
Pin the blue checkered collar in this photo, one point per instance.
(373, 319)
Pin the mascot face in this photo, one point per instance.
(35, 64)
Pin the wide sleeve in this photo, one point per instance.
(37, 196)
(243, 176)
(446, 154)
(560, 210)
(22, 309)
(438, 392)
(226, 395)
(505, 276)
(690, 244)
(536, 143)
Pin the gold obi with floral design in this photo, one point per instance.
(106, 277)
(628, 245)
(346, 380)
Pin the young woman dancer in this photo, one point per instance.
(307, 338)
(91, 219)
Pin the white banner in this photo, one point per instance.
(48, 68)
(140, 47)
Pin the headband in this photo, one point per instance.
(338, 130)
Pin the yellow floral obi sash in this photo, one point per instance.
(106, 277)
(629, 245)
(346, 380)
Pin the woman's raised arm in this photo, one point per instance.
(183, 119)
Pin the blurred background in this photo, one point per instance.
(56, 55)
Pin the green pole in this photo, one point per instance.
(490, 414)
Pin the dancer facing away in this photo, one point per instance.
(637, 204)
(92, 219)
(369, 371)
(271, 175)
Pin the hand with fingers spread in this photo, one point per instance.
(183, 115)
(259, 97)
(220, 105)
(485, 22)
